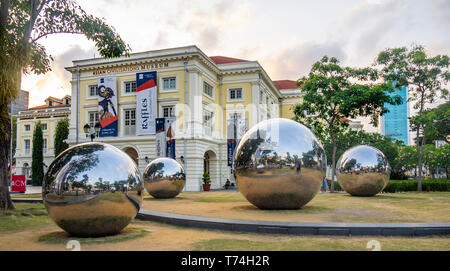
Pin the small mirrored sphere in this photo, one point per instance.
(279, 164)
(363, 171)
(164, 178)
(92, 189)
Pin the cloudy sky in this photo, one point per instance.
(285, 36)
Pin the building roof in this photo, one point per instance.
(225, 59)
(46, 106)
(285, 84)
(54, 98)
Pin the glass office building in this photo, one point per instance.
(395, 124)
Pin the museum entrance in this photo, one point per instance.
(210, 165)
(133, 154)
(206, 160)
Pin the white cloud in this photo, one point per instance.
(296, 61)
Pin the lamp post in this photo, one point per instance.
(87, 130)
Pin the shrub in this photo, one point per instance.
(411, 185)
(337, 187)
(206, 179)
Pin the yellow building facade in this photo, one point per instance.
(48, 115)
(202, 94)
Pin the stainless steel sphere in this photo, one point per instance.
(164, 178)
(279, 164)
(363, 171)
(92, 189)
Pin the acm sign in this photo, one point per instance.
(18, 183)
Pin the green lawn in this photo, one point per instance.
(25, 215)
(318, 243)
(61, 237)
(328, 207)
(27, 196)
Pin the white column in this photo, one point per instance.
(254, 116)
(195, 103)
(73, 111)
(51, 137)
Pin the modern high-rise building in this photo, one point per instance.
(395, 123)
(19, 104)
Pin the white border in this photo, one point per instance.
(235, 100)
(122, 87)
(122, 118)
(88, 96)
(161, 83)
(213, 89)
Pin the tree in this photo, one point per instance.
(407, 158)
(61, 134)
(429, 159)
(333, 93)
(37, 157)
(425, 77)
(435, 123)
(22, 24)
(443, 156)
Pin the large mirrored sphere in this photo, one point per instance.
(92, 189)
(164, 178)
(279, 164)
(363, 171)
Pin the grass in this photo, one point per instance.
(168, 199)
(61, 237)
(225, 197)
(437, 243)
(27, 196)
(335, 207)
(25, 215)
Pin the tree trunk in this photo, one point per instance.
(333, 164)
(5, 198)
(420, 147)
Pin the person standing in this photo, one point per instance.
(324, 186)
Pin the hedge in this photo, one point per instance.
(409, 185)
(337, 187)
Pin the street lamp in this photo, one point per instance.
(87, 130)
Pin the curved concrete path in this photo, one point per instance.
(298, 228)
(386, 229)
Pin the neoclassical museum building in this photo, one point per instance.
(207, 102)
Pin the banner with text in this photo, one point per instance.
(236, 128)
(160, 138)
(107, 106)
(146, 83)
(170, 137)
(231, 145)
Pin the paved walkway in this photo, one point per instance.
(273, 227)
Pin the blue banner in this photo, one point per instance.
(170, 138)
(160, 138)
(231, 145)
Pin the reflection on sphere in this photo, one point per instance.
(279, 164)
(92, 189)
(363, 171)
(164, 178)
